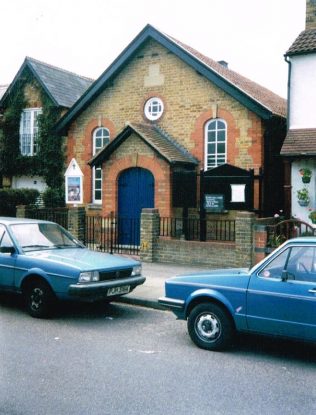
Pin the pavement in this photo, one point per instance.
(156, 273)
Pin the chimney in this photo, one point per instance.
(224, 63)
(310, 22)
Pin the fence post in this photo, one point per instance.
(22, 211)
(76, 222)
(149, 234)
(244, 239)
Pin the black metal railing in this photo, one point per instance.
(195, 229)
(113, 234)
(58, 215)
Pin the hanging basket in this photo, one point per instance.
(306, 179)
(303, 202)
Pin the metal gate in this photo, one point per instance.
(287, 229)
(103, 234)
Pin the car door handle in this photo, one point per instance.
(313, 290)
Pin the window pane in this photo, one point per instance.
(97, 195)
(221, 135)
(98, 173)
(211, 136)
(212, 126)
(221, 125)
(221, 148)
(211, 149)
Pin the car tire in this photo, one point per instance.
(210, 327)
(39, 299)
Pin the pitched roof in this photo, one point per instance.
(262, 95)
(63, 87)
(300, 142)
(155, 137)
(255, 97)
(304, 43)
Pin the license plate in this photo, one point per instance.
(118, 290)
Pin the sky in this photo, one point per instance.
(85, 36)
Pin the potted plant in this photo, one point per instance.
(306, 174)
(303, 197)
(312, 216)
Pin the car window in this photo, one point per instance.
(302, 263)
(276, 266)
(36, 236)
(298, 262)
(5, 240)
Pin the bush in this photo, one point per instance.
(10, 198)
(54, 198)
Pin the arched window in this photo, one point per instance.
(215, 143)
(101, 137)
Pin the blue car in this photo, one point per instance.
(44, 262)
(276, 297)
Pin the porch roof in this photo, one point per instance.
(300, 142)
(154, 137)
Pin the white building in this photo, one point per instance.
(299, 148)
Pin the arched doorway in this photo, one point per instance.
(136, 190)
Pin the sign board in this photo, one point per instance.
(73, 183)
(214, 202)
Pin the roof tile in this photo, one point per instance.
(304, 43)
(300, 142)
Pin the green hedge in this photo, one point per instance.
(10, 198)
(54, 198)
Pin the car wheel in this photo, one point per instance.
(210, 327)
(39, 299)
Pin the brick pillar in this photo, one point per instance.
(149, 234)
(244, 241)
(76, 222)
(260, 242)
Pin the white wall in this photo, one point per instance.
(27, 182)
(303, 92)
(302, 212)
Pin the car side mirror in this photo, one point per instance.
(287, 276)
(7, 250)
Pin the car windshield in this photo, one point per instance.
(38, 236)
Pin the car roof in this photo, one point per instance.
(302, 239)
(11, 221)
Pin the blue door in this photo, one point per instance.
(136, 190)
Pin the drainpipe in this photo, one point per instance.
(288, 164)
(286, 58)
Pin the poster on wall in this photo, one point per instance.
(74, 189)
(238, 193)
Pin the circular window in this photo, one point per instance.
(154, 109)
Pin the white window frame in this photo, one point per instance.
(154, 108)
(97, 171)
(29, 131)
(219, 158)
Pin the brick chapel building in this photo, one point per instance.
(160, 117)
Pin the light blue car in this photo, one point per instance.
(276, 297)
(44, 262)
